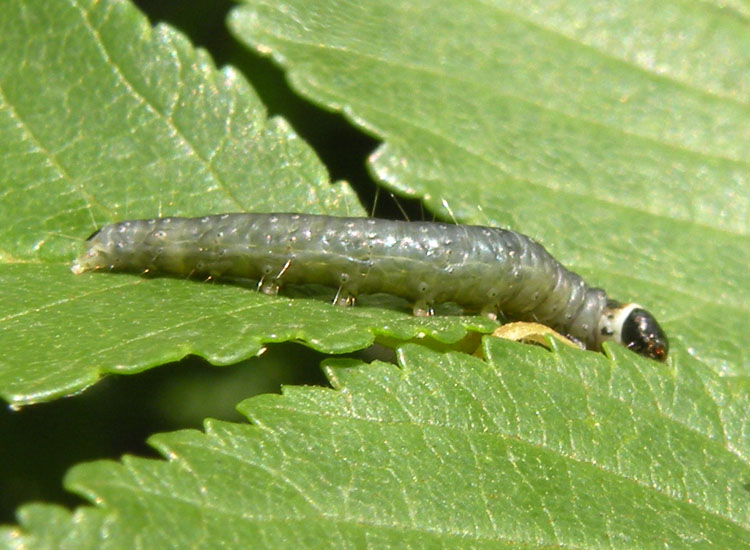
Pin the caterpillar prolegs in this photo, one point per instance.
(483, 269)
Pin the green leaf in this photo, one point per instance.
(616, 134)
(103, 118)
(529, 448)
(613, 133)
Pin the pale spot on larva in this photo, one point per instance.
(223, 216)
(161, 234)
(273, 219)
(344, 278)
(205, 219)
(295, 217)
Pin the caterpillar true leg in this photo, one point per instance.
(268, 287)
(344, 298)
(489, 311)
(422, 309)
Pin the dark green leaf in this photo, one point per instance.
(616, 134)
(105, 119)
(531, 449)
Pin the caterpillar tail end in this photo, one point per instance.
(91, 260)
(81, 264)
(77, 268)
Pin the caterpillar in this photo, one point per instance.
(491, 271)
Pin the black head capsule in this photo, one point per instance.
(642, 334)
(635, 328)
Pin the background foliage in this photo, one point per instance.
(560, 121)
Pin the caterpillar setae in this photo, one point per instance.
(483, 269)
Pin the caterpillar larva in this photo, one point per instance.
(483, 269)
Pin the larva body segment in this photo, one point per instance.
(482, 269)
